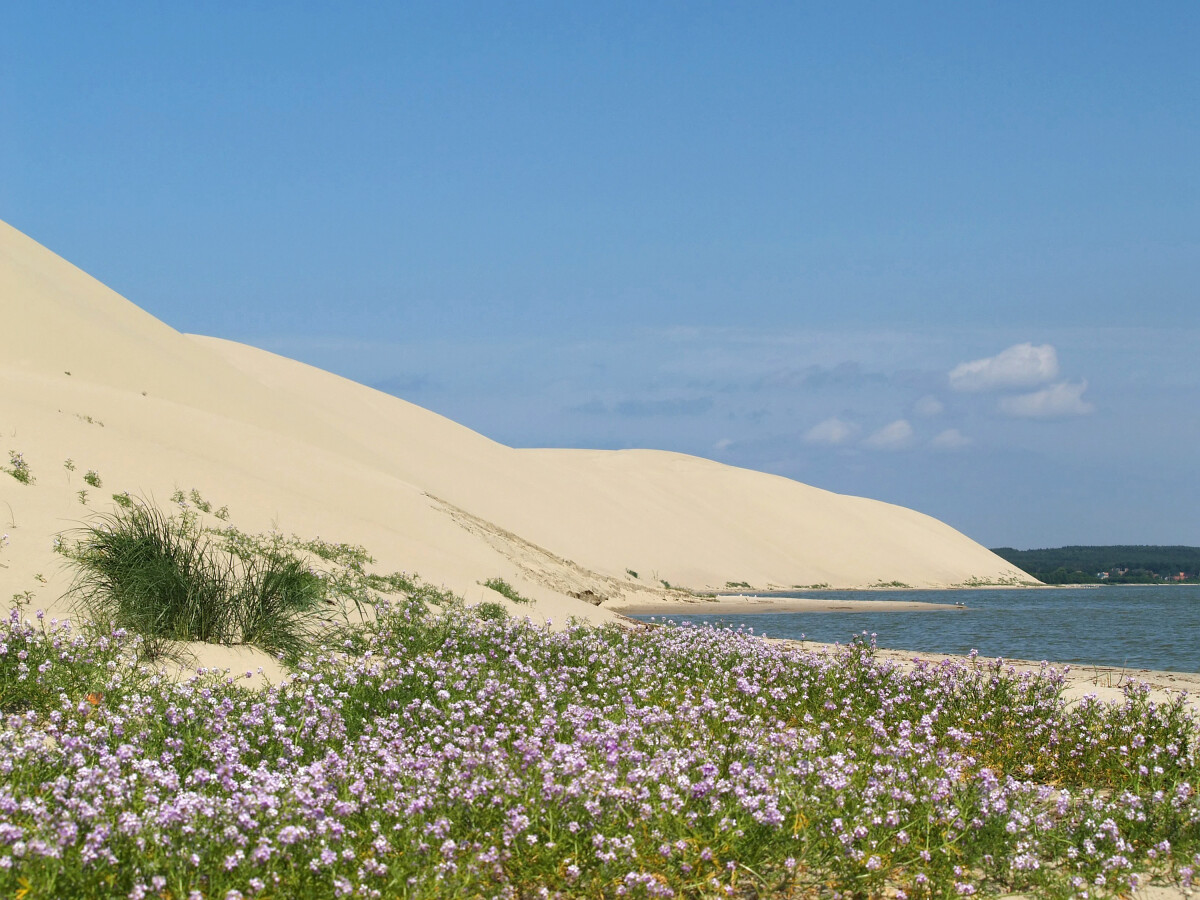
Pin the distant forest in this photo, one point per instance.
(1107, 565)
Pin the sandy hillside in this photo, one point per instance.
(86, 375)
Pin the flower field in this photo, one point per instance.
(444, 754)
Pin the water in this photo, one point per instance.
(1139, 627)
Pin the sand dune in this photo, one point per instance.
(87, 375)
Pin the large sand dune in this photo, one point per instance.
(87, 375)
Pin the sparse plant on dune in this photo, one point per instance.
(631, 573)
(502, 587)
(93, 478)
(19, 468)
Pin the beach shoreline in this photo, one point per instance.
(734, 604)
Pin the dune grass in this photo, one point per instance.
(168, 580)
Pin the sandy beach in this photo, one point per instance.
(732, 604)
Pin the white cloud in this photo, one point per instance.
(929, 406)
(1020, 366)
(950, 439)
(832, 432)
(723, 444)
(895, 436)
(1059, 401)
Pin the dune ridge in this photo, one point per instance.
(88, 375)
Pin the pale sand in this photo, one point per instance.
(289, 446)
(725, 604)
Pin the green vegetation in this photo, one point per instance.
(737, 584)
(19, 468)
(92, 478)
(1117, 564)
(631, 573)
(463, 753)
(500, 586)
(123, 499)
(167, 580)
(490, 611)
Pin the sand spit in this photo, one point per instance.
(726, 604)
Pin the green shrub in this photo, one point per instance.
(490, 610)
(92, 478)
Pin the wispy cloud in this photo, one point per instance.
(950, 439)
(1059, 401)
(831, 432)
(1020, 366)
(894, 436)
(929, 406)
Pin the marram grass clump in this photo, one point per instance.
(167, 579)
(442, 755)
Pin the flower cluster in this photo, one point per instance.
(438, 754)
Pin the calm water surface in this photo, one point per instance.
(1141, 627)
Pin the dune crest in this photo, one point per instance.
(91, 378)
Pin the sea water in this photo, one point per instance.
(1135, 626)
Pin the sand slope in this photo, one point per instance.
(87, 375)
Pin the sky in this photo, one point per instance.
(946, 255)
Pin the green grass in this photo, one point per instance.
(168, 580)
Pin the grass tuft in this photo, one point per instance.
(167, 580)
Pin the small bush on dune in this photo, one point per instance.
(165, 579)
(502, 587)
(491, 611)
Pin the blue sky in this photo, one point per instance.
(945, 255)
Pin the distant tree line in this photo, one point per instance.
(1134, 564)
